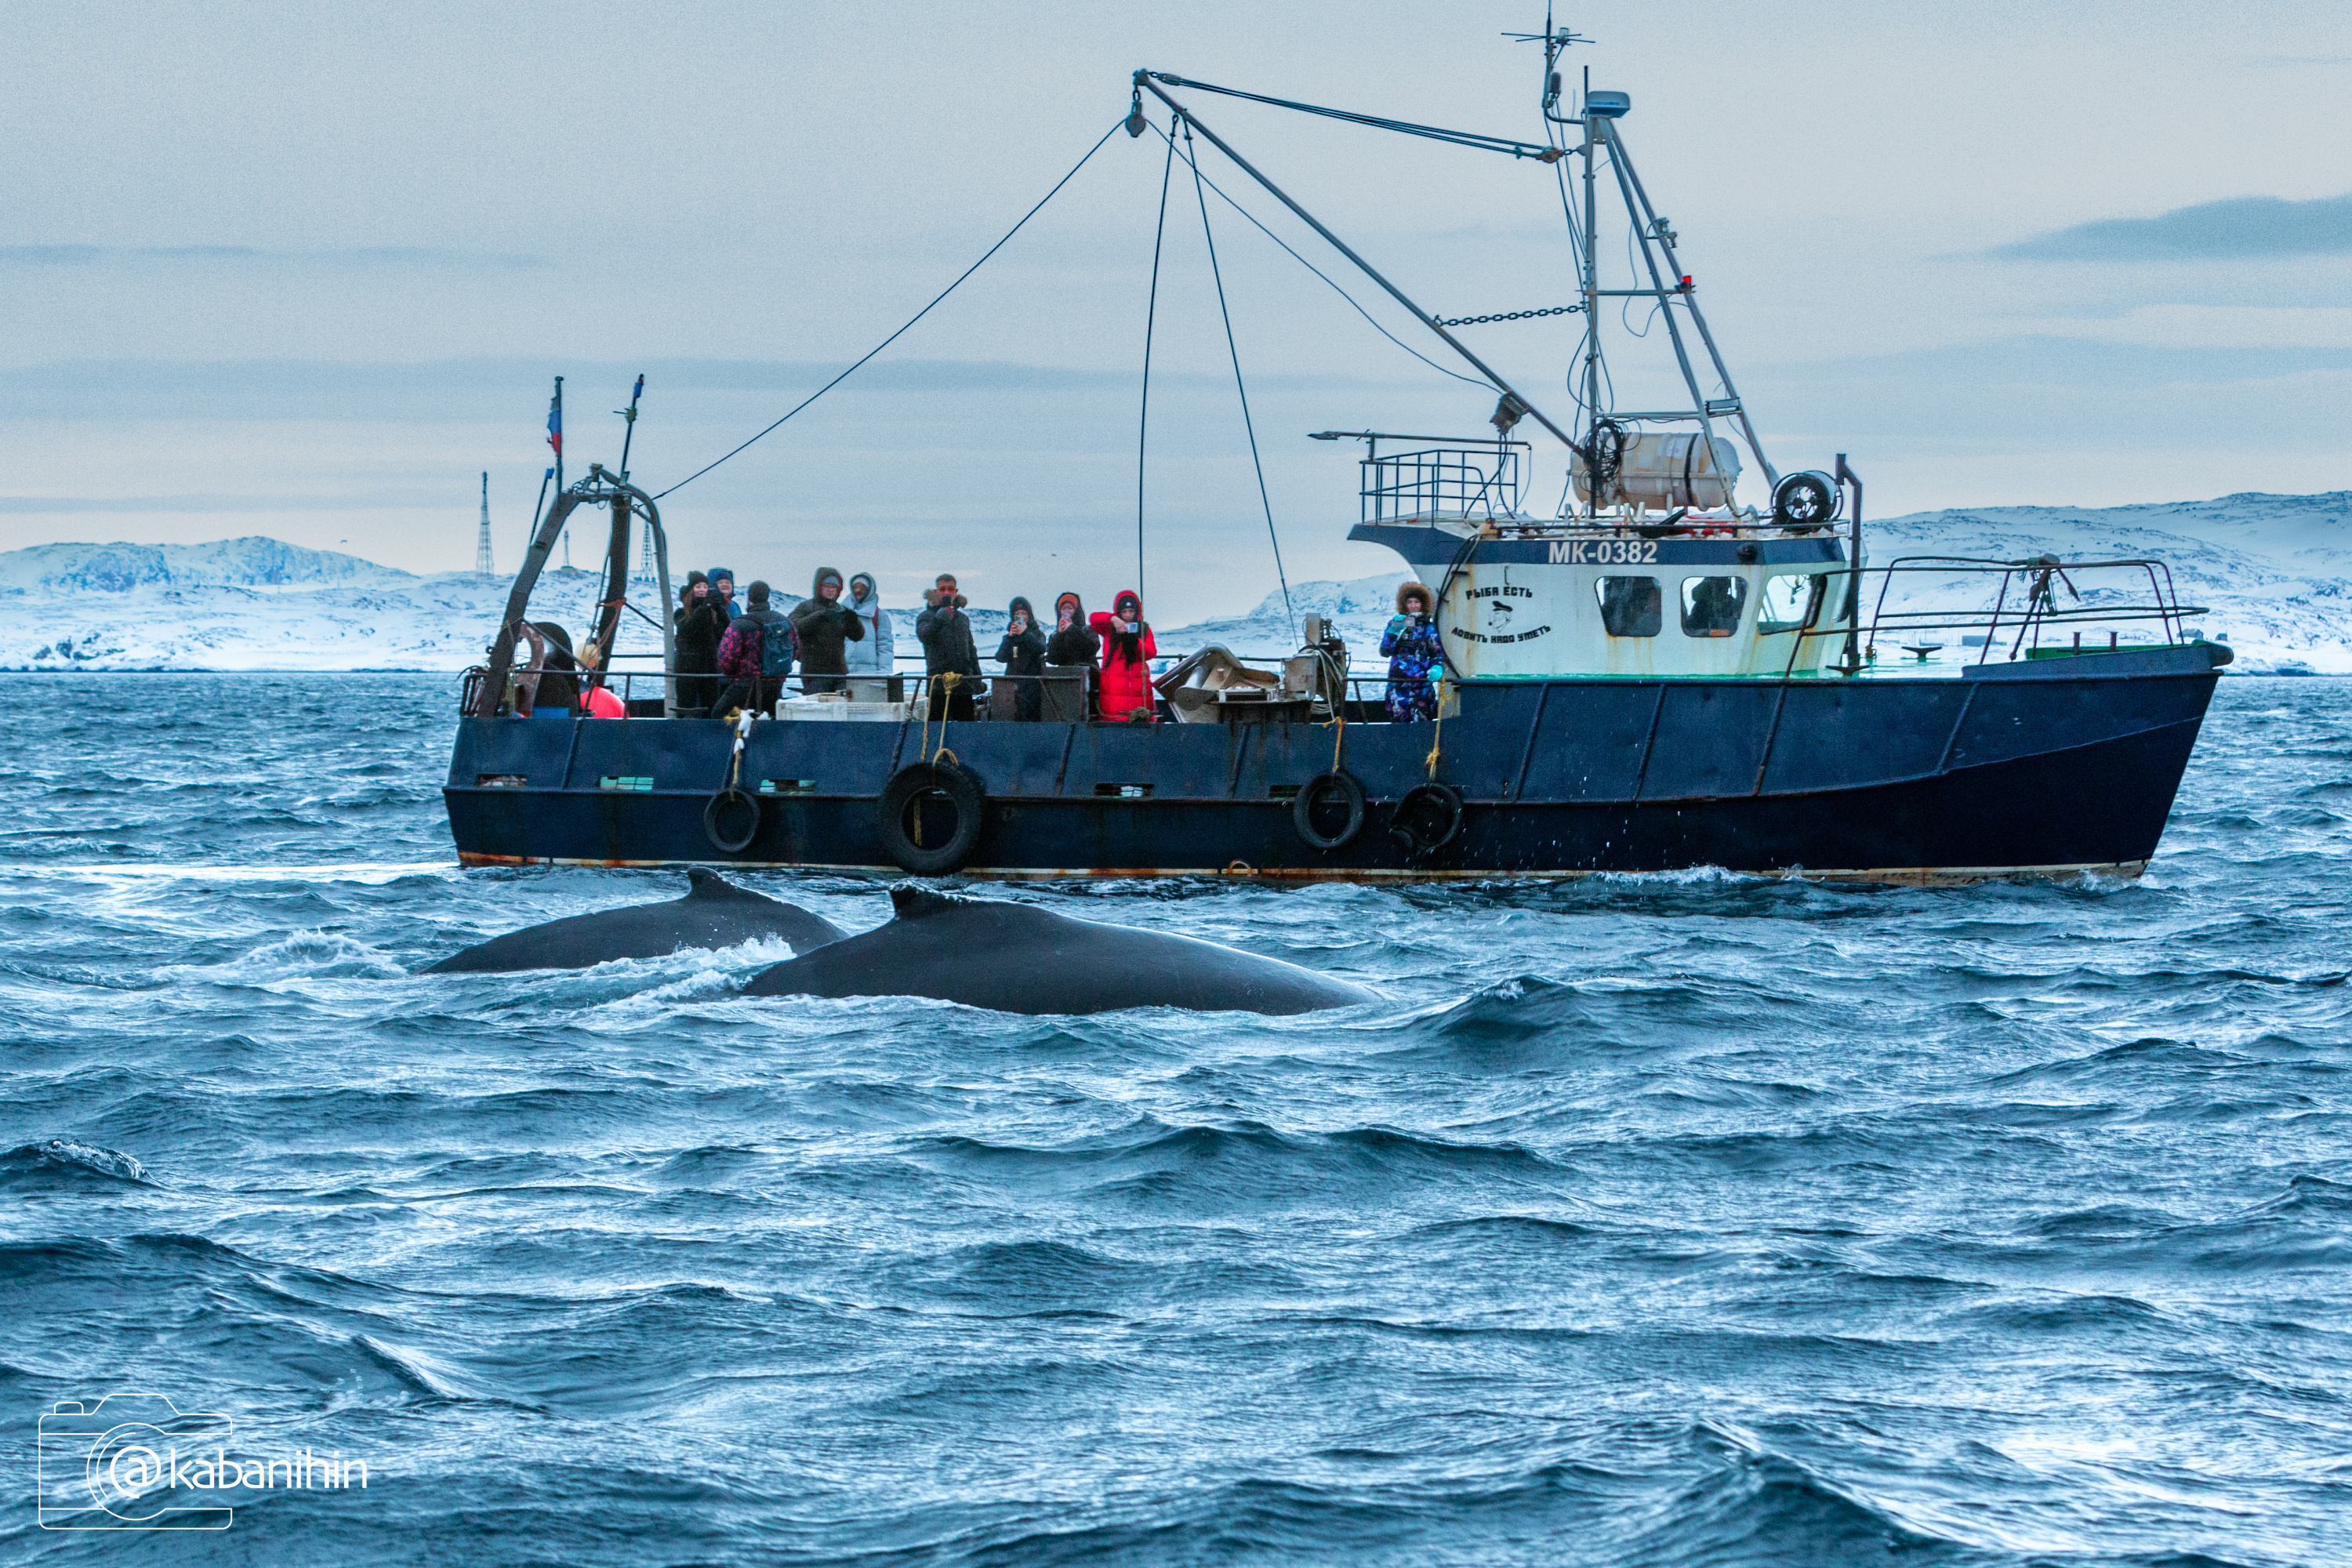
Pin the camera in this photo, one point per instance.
(114, 1464)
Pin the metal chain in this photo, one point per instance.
(1511, 316)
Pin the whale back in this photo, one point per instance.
(1018, 957)
(713, 914)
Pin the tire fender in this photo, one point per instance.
(1322, 789)
(728, 806)
(1426, 819)
(959, 786)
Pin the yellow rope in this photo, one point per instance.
(948, 681)
(1437, 735)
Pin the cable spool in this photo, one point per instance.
(1319, 802)
(728, 810)
(1427, 819)
(899, 821)
(1603, 452)
(1807, 500)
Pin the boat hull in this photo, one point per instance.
(2047, 767)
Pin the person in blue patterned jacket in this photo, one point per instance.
(1414, 651)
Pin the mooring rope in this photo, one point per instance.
(1437, 732)
(949, 681)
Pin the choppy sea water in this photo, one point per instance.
(1685, 1220)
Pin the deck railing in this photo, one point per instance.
(2024, 611)
(1438, 482)
(2025, 615)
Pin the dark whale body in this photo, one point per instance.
(714, 913)
(1017, 958)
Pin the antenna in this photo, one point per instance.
(483, 563)
(628, 434)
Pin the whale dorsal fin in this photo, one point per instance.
(910, 902)
(707, 885)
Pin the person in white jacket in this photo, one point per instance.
(871, 657)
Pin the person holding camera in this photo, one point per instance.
(1128, 649)
(722, 594)
(1073, 641)
(825, 627)
(945, 632)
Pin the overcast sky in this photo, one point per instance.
(306, 271)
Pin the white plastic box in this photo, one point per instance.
(836, 706)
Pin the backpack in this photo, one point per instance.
(776, 645)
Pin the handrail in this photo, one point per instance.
(2043, 573)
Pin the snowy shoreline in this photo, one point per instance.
(2273, 572)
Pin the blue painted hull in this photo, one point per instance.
(2034, 767)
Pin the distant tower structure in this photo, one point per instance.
(483, 562)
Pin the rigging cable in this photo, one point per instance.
(1482, 142)
(1279, 574)
(1150, 314)
(1466, 380)
(919, 315)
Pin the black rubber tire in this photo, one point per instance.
(1804, 501)
(906, 786)
(723, 804)
(1427, 819)
(1311, 794)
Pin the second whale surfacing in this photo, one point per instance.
(1017, 958)
(714, 913)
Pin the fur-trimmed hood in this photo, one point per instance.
(1428, 599)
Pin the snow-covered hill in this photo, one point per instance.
(250, 604)
(2275, 573)
(257, 603)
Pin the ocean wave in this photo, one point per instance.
(306, 955)
(1681, 1220)
(67, 1164)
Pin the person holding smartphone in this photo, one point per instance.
(1023, 654)
(700, 624)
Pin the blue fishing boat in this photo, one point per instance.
(1648, 677)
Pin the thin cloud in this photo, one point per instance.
(2241, 227)
(377, 256)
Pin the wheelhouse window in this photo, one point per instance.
(1789, 601)
(1712, 605)
(1631, 606)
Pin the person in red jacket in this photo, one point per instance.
(1126, 648)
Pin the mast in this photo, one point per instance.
(484, 564)
(629, 434)
(1597, 125)
(1591, 268)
